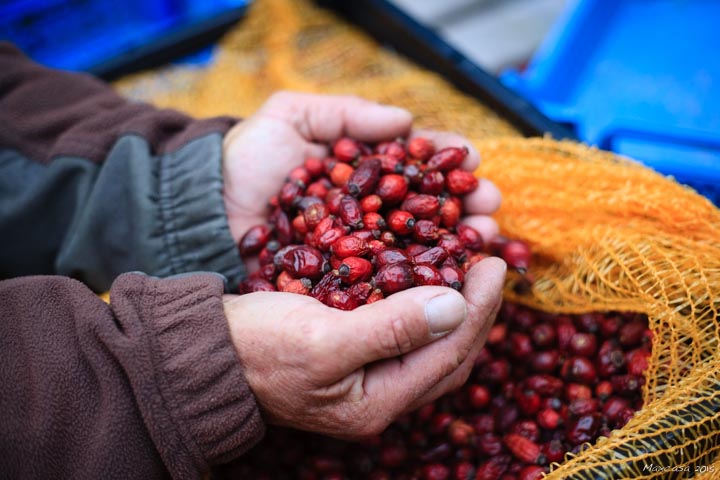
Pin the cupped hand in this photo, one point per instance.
(349, 374)
(290, 127)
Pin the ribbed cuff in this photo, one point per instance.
(192, 211)
(202, 408)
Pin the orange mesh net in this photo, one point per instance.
(609, 234)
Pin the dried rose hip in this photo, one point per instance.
(371, 220)
(507, 422)
(254, 240)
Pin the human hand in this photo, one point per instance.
(290, 127)
(349, 374)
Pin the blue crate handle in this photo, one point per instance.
(691, 156)
(702, 140)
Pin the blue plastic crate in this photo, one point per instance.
(637, 77)
(82, 34)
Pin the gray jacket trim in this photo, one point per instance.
(160, 214)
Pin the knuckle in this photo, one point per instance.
(451, 365)
(315, 336)
(397, 338)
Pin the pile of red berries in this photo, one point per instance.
(543, 385)
(371, 221)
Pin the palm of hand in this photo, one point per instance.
(259, 154)
(290, 127)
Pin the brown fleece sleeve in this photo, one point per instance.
(147, 387)
(51, 113)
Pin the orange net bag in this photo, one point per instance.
(608, 234)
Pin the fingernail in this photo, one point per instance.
(445, 312)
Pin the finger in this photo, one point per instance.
(485, 200)
(486, 226)
(398, 324)
(449, 139)
(459, 377)
(400, 384)
(323, 118)
(315, 150)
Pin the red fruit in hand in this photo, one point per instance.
(394, 278)
(413, 174)
(392, 188)
(327, 284)
(346, 149)
(421, 148)
(340, 174)
(314, 166)
(349, 246)
(390, 256)
(470, 237)
(426, 275)
(433, 256)
(375, 296)
(289, 194)
(318, 188)
(447, 159)
(299, 174)
(432, 183)
(300, 286)
(254, 240)
(374, 221)
(327, 239)
(392, 149)
(354, 269)
(341, 300)
(360, 291)
(283, 228)
(421, 205)
(450, 213)
(452, 276)
(256, 284)
(332, 200)
(425, 231)
(314, 214)
(303, 261)
(350, 212)
(401, 222)
(371, 203)
(460, 182)
(364, 179)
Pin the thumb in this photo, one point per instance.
(398, 324)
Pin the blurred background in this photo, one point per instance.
(496, 34)
(636, 77)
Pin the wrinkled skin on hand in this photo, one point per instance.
(348, 374)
